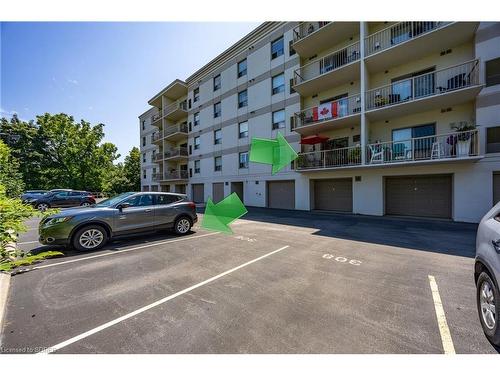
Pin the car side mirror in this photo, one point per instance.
(121, 206)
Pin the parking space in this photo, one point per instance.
(285, 282)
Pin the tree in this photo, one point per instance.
(10, 177)
(132, 169)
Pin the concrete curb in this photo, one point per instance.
(4, 292)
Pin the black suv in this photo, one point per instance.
(59, 198)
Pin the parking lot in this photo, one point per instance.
(284, 282)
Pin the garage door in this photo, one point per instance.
(198, 193)
(496, 187)
(281, 194)
(427, 196)
(237, 187)
(217, 192)
(333, 194)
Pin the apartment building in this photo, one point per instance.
(389, 118)
(149, 165)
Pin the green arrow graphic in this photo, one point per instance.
(218, 216)
(276, 152)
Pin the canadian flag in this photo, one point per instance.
(325, 111)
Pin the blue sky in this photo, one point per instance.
(102, 72)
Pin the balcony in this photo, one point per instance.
(176, 153)
(408, 41)
(338, 158)
(175, 111)
(156, 117)
(176, 176)
(439, 89)
(158, 157)
(340, 113)
(157, 177)
(176, 132)
(339, 67)
(156, 137)
(311, 37)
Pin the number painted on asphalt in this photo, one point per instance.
(342, 259)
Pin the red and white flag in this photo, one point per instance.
(325, 111)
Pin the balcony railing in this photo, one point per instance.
(156, 136)
(398, 33)
(340, 157)
(307, 28)
(428, 84)
(180, 128)
(176, 175)
(328, 111)
(435, 147)
(182, 105)
(328, 63)
(157, 177)
(158, 157)
(177, 151)
(156, 117)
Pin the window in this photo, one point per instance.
(218, 137)
(277, 48)
(243, 160)
(292, 90)
(242, 99)
(144, 157)
(217, 110)
(143, 124)
(493, 139)
(279, 119)
(217, 82)
(402, 141)
(196, 94)
(278, 83)
(218, 163)
(243, 129)
(356, 138)
(189, 103)
(143, 141)
(140, 200)
(144, 174)
(493, 72)
(291, 51)
(196, 119)
(196, 143)
(196, 166)
(153, 156)
(166, 199)
(242, 68)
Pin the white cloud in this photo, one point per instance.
(72, 81)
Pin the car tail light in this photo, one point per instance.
(192, 205)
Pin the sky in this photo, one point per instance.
(102, 72)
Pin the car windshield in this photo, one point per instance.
(114, 200)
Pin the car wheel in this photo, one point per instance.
(42, 206)
(182, 225)
(85, 204)
(488, 307)
(91, 237)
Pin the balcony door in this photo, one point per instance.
(412, 86)
(415, 141)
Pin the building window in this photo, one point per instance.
(243, 160)
(196, 143)
(217, 137)
(144, 174)
(243, 129)
(143, 141)
(217, 82)
(493, 139)
(277, 48)
(278, 83)
(217, 110)
(143, 124)
(493, 72)
(196, 119)
(242, 99)
(196, 94)
(242, 68)
(144, 157)
(196, 166)
(356, 138)
(153, 156)
(279, 119)
(291, 51)
(292, 90)
(218, 163)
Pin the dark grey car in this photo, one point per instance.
(90, 228)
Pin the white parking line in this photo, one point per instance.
(154, 304)
(26, 243)
(444, 330)
(123, 251)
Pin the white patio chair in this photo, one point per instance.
(377, 156)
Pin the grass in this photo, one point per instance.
(29, 260)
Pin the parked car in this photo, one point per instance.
(487, 274)
(60, 198)
(30, 194)
(125, 214)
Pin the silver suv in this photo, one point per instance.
(487, 273)
(91, 227)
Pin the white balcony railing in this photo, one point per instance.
(158, 157)
(328, 63)
(155, 117)
(340, 157)
(157, 177)
(428, 84)
(307, 28)
(398, 33)
(435, 147)
(181, 105)
(156, 136)
(176, 175)
(177, 151)
(328, 111)
(180, 128)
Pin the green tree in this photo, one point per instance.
(10, 177)
(132, 169)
